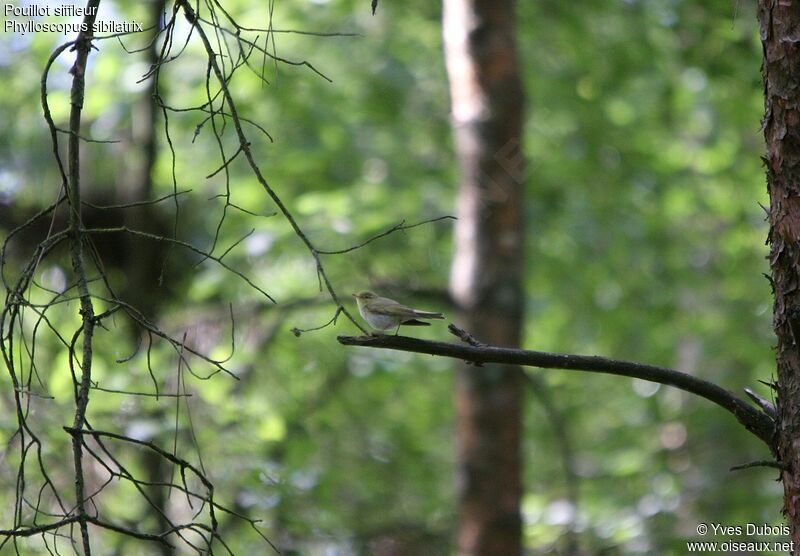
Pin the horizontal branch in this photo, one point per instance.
(753, 420)
(29, 531)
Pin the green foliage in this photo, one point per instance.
(644, 242)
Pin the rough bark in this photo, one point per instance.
(486, 279)
(780, 35)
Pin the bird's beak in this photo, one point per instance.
(354, 295)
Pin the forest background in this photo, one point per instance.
(645, 241)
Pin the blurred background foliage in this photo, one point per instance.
(644, 237)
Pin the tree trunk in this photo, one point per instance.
(779, 22)
(143, 259)
(486, 278)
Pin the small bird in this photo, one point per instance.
(383, 313)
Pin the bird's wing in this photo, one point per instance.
(391, 308)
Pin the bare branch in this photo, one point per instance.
(189, 246)
(136, 203)
(83, 45)
(761, 463)
(38, 529)
(299, 331)
(766, 406)
(397, 227)
(758, 423)
(244, 144)
(252, 44)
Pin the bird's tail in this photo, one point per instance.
(428, 315)
(415, 322)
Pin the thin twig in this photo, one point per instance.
(397, 227)
(189, 246)
(761, 463)
(245, 146)
(136, 203)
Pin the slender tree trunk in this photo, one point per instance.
(143, 259)
(486, 279)
(779, 22)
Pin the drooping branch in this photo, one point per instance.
(245, 147)
(760, 424)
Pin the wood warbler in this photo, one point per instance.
(383, 313)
